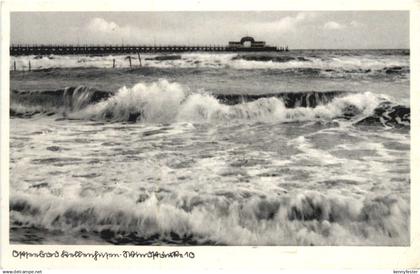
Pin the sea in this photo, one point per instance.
(298, 148)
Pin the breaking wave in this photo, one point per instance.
(309, 218)
(28, 103)
(274, 58)
(167, 102)
(324, 64)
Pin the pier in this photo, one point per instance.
(245, 44)
(17, 50)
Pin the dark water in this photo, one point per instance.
(298, 148)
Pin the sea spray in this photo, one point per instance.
(167, 102)
(170, 102)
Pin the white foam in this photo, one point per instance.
(164, 101)
(210, 60)
(308, 218)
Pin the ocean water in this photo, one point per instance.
(303, 147)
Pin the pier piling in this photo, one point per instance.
(29, 65)
(14, 65)
(129, 60)
(138, 54)
(113, 63)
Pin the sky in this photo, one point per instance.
(298, 30)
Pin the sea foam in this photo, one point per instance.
(168, 102)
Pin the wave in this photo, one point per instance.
(310, 218)
(28, 103)
(166, 102)
(165, 57)
(389, 115)
(331, 65)
(290, 99)
(274, 58)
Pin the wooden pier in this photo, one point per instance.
(18, 50)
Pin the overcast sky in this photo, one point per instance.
(308, 30)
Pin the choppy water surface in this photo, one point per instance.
(305, 148)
